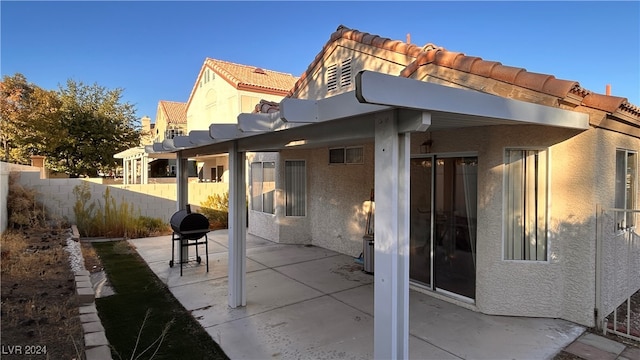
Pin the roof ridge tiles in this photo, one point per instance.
(439, 56)
(249, 66)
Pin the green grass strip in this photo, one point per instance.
(141, 298)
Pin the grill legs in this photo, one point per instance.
(185, 243)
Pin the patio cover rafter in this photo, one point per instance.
(306, 122)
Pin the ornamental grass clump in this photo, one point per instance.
(111, 220)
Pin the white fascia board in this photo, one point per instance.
(169, 144)
(345, 105)
(383, 89)
(299, 110)
(157, 147)
(225, 132)
(200, 137)
(181, 141)
(257, 122)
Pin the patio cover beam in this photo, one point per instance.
(383, 89)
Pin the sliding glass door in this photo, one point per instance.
(444, 208)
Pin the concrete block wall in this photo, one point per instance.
(152, 200)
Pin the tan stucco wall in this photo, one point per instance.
(337, 199)
(581, 174)
(208, 163)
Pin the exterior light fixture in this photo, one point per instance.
(425, 148)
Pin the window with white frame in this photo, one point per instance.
(349, 155)
(625, 192)
(295, 183)
(525, 204)
(263, 186)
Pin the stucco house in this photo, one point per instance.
(223, 90)
(495, 188)
(171, 121)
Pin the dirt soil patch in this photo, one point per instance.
(39, 313)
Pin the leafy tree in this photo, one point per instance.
(79, 127)
(14, 97)
(98, 126)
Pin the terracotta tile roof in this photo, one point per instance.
(265, 107)
(431, 54)
(176, 111)
(246, 77)
(543, 83)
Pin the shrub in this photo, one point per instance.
(23, 209)
(216, 209)
(112, 220)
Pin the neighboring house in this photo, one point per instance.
(222, 91)
(171, 121)
(491, 183)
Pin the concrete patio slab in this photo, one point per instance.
(329, 275)
(279, 255)
(422, 350)
(473, 335)
(266, 290)
(360, 297)
(309, 302)
(602, 343)
(222, 238)
(193, 272)
(159, 248)
(299, 331)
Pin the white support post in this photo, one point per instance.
(237, 228)
(125, 171)
(182, 186)
(391, 239)
(134, 170)
(144, 179)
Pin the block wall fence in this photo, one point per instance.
(152, 200)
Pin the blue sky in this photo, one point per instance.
(154, 50)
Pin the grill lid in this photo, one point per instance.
(195, 224)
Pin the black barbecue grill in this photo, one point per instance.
(189, 229)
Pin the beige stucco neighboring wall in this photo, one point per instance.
(219, 102)
(214, 162)
(212, 102)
